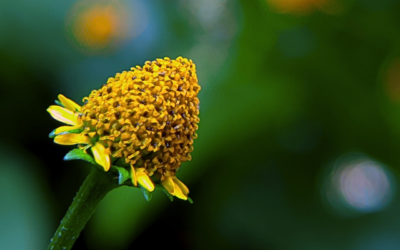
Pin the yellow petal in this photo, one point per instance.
(144, 180)
(100, 156)
(133, 176)
(168, 184)
(63, 115)
(71, 139)
(69, 104)
(62, 129)
(180, 184)
(178, 193)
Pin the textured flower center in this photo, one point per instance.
(147, 116)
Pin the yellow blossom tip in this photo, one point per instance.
(168, 184)
(63, 129)
(178, 193)
(175, 187)
(133, 176)
(63, 115)
(180, 184)
(144, 180)
(71, 139)
(101, 157)
(69, 104)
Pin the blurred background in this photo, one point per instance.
(299, 136)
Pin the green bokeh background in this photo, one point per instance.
(284, 96)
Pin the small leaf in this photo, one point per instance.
(190, 200)
(78, 154)
(59, 103)
(147, 195)
(52, 134)
(123, 175)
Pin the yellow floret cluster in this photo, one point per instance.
(148, 116)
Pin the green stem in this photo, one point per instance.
(92, 191)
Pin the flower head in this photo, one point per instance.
(144, 119)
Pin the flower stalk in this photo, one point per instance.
(92, 191)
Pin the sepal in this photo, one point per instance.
(78, 154)
(52, 134)
(59, 103)
(147, 195)
(123, 174)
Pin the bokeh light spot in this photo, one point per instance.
(356, 184)
(304, 6)
(98, 26)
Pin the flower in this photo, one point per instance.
(145, 119)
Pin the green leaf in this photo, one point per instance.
(78, 154)
(190, 200)
(147, 195)
(59, 103)
(123, 175)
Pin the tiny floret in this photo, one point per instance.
(144, 119)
